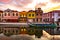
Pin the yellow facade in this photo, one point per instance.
(31, 14)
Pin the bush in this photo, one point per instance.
(31, 32)
(38, 33)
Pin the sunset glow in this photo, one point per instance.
(20, 5)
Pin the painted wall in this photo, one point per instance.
(31, 15)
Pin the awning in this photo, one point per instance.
(43, 25)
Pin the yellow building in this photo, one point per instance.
(23, 16)
(31, 16)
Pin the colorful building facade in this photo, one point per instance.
(31, 16)
(52, 16)
(36, 16)
(23, 16)
(47, 17)
(39, 13)
(10, 15)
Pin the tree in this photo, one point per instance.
(38, 33)
(31, 32)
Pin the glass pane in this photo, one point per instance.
(30, 15)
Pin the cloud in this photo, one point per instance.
(55, 1)
(23, 2)
(14, 4)
(5, 1)
(41, 5)
(18, 2)
(28, 4)
(53, 8)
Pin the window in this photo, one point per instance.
(44, 20)
(47, 19)
(21, 15)
(24, 29)
(30, 15)
(5, 31)
(5, 14)
(52, 19)
(24, 15)
(13, 31)
(58, 14)
(33, 15)
(16, 31)
(0, 29)
(58, 20)
(13, 14)
(37, 14)
(34, 20)
(8, 30)
(52, 14)
(0, 14)
(37, 20)
(40, 14)
(40, 19)
(16, 14)
(8, 14)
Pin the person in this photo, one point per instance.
(58, 23)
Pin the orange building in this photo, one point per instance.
(23, 16)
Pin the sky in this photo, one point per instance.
(25, 5)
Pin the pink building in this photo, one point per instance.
(47, 17)
(10, 15)
(52, 16)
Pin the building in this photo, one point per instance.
(39, 13)
(23, 16)
(31, 16)
(47, 17)
(56, 15)
(53, 16)
(1, 12)
(10, 15)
